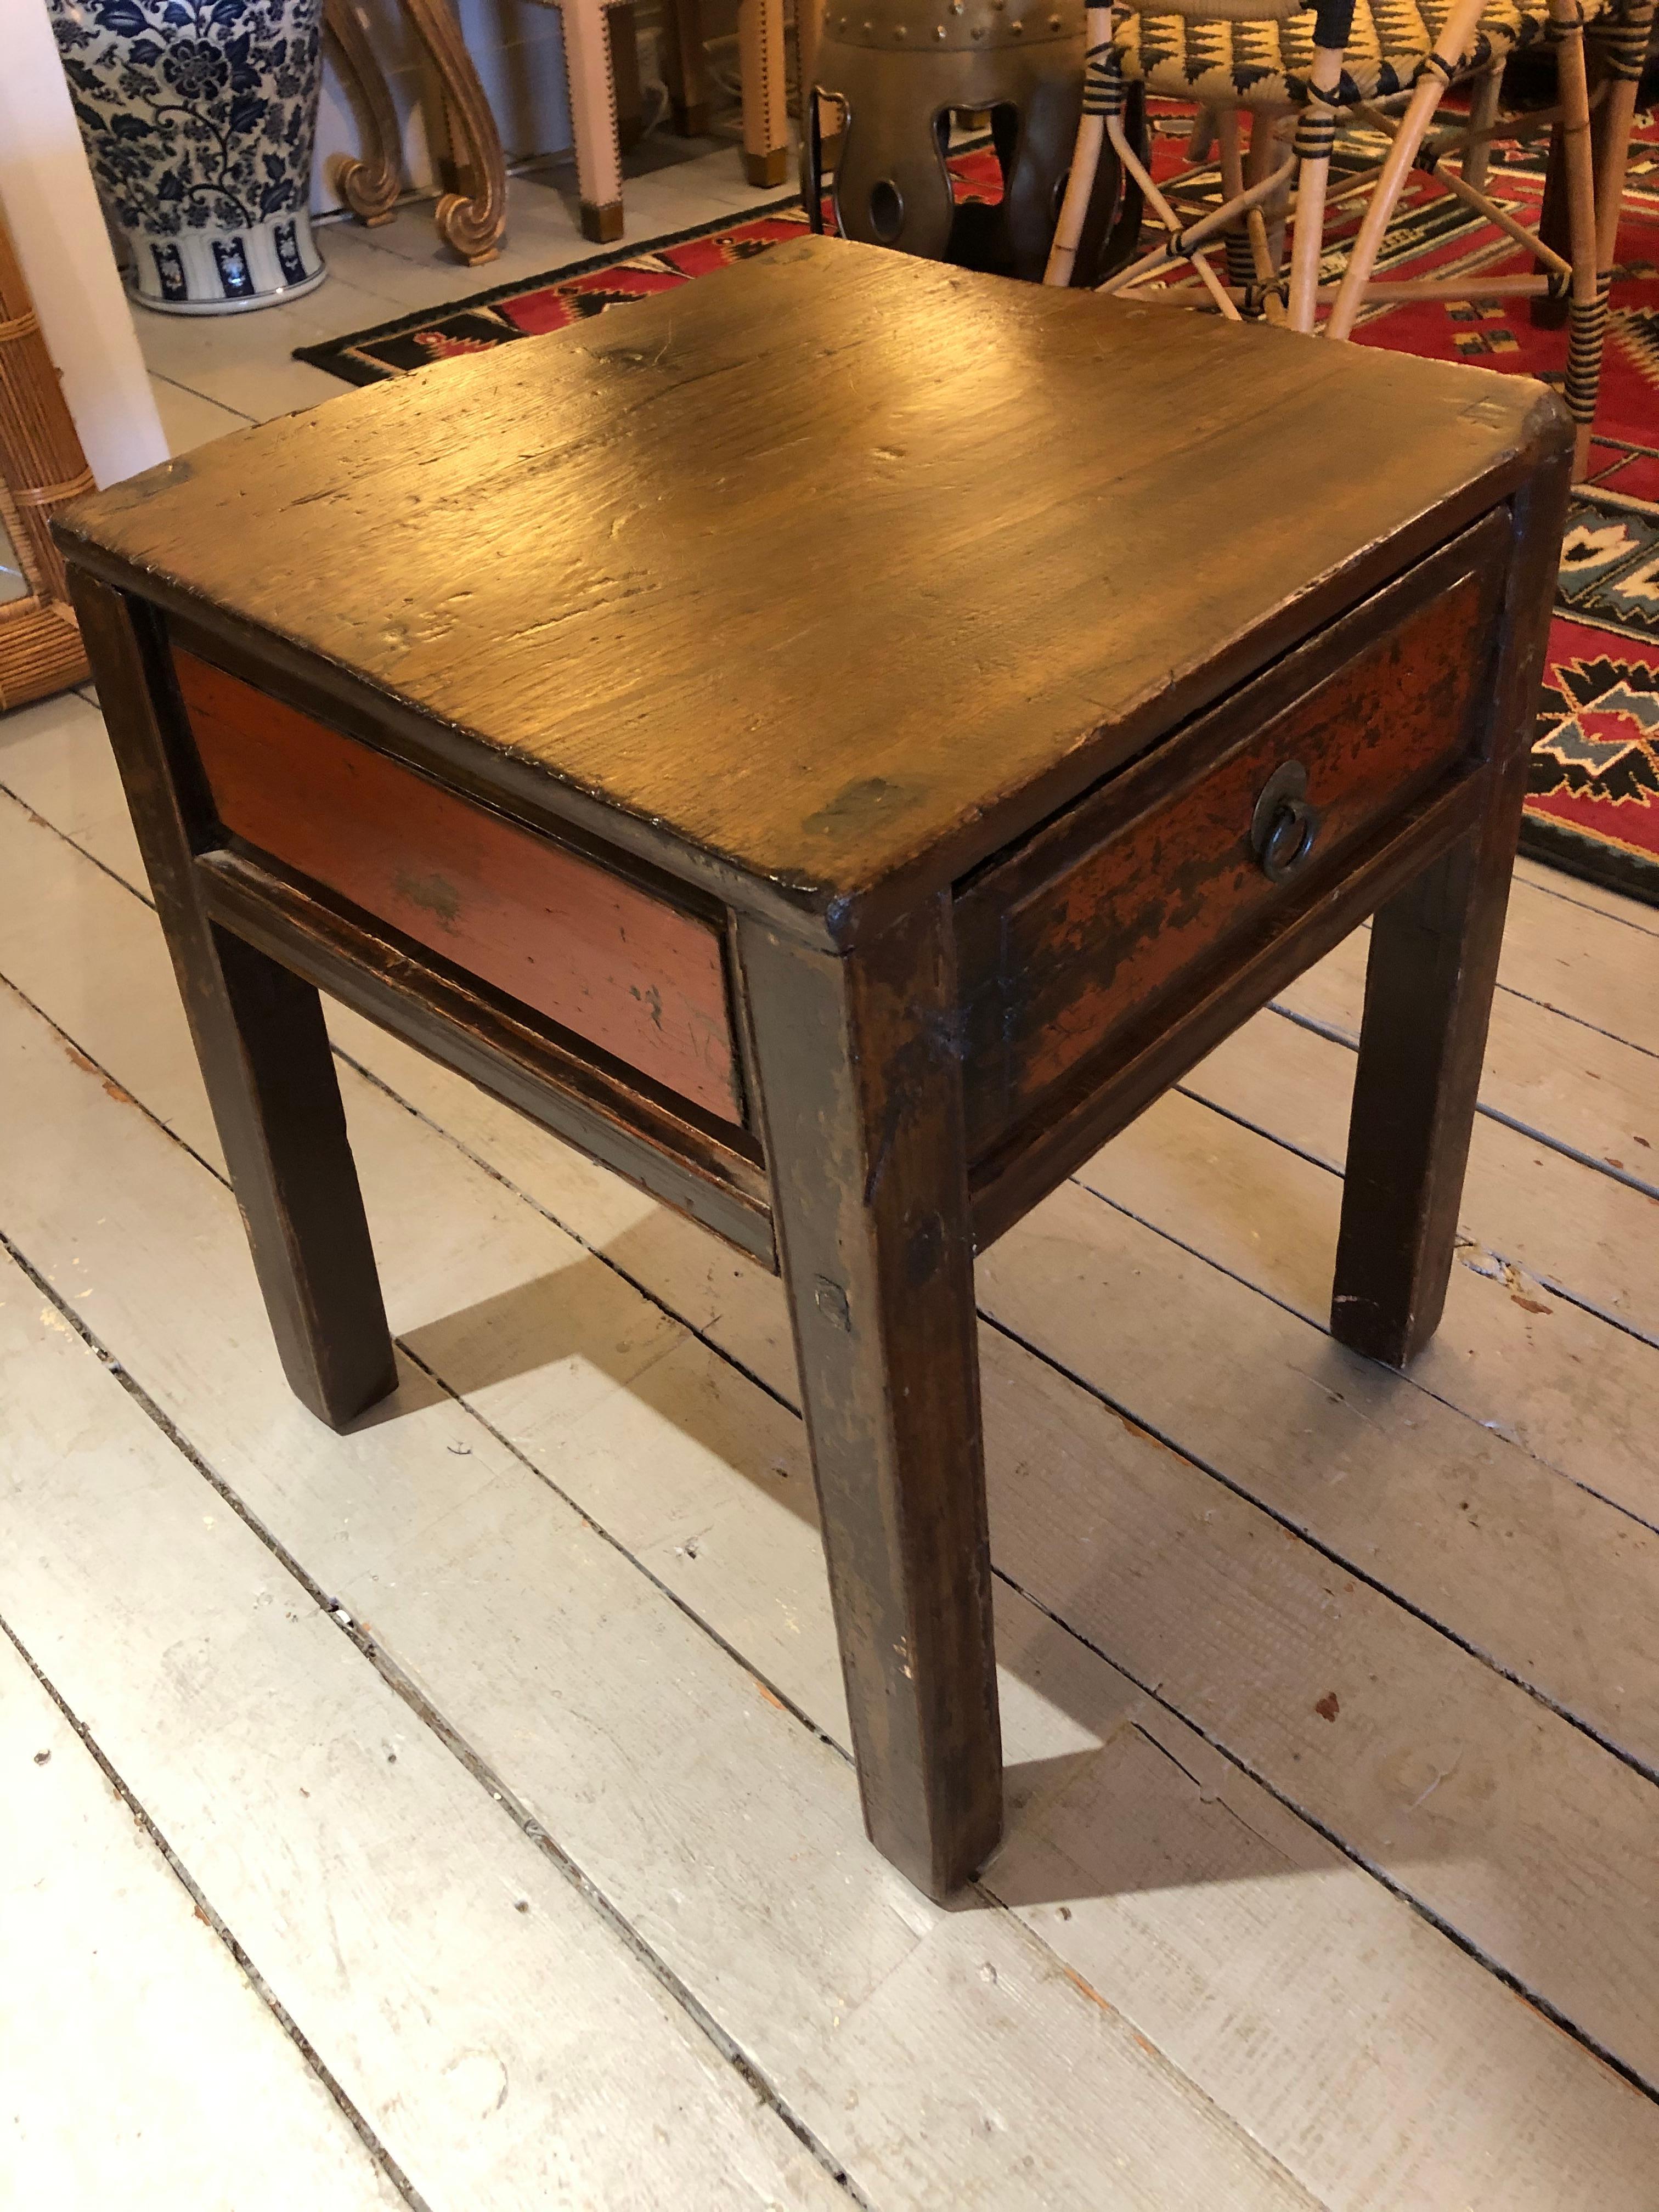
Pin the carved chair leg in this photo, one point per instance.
(861, 1100)
(470, 222)
(370, 185)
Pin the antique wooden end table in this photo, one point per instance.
(835, 743)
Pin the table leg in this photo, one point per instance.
(862, 1101)
(260, 1040)
(1428, 994)
(1429, 982)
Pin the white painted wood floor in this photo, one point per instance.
(458, 1814)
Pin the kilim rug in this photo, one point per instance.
(1594, 807)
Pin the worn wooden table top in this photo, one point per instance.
(836, 564)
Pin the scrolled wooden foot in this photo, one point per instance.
(471, 231)
(370, 185)
(471, 224)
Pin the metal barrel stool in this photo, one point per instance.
(899, 70)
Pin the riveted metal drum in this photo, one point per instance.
(899, 69)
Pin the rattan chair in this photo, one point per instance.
(1295, 70)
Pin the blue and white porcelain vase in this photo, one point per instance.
(199, 118)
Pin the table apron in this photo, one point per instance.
(673, 1155)
(1167, 875)
(1142, 1057)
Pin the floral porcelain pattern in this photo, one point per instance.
(197, 115)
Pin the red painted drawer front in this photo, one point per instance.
(1057, 954)
(621, 969)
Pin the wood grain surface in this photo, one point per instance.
(837, 565)
(640, 979)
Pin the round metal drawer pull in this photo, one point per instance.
(1284, 825)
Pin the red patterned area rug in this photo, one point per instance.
(1594, 808)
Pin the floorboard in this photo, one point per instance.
(1532, 876)
(707, 1487)
(474, 2006)
(680, 1787)
(141, 2067)
(1568, 1084)
(1584, 1234)
(1574, 1391)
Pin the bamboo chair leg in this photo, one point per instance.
(1085, 159)
(1456, 37)
(1483, 113)
(1586, 320)
(1623, 52)
(1266, 154)
(1166, 214)
(1203, 232)
(1230, 144)
(1315, 138)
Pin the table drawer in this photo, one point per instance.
(624, 970)
(1146, 882)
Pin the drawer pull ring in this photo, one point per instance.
(1284, 825)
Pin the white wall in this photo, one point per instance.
(52, 210)
(520, 57)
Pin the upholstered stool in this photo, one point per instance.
(791, 741)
